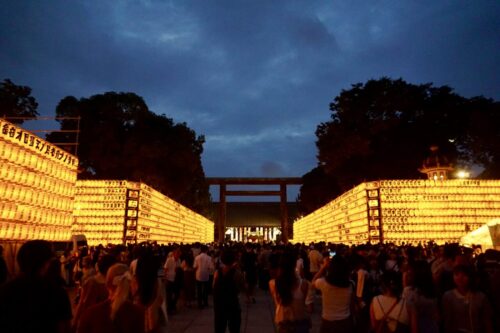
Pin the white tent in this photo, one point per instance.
(488, 236)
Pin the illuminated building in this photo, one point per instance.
(397, 211)
(37, 182)
(436, 166)
(254, 221)
(117, 211)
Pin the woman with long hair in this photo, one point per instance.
(148, 293)
(421, 298)
(337, 296)
(117, 313)
(389, 312)
(290, 293)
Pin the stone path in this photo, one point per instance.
(255, 318)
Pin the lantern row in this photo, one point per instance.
(146, 216)
(403, 211)
(36, 187)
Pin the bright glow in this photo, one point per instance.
(113, 211)
(37, 183)
(482, 236)
(463, 174)
(255, 234)
(397, 211)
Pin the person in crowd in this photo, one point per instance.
(189, 279)
(315, 260)
(88, 269)
(443, 271)
(337, 296)
(172, 264)
(389, 312)
(53, 273)
(135, 254)
(66, 266)
(228, 282)
(83, 270)
(32, 301)
(464, 308)
(249, 266)
(290, 293)
(374, 275)
(203, 265)
(263, 266)
(363, 290)
(299, 267)
(148, 292)
(392, 264)
(117, 313)
(94, 289)
(421, 298)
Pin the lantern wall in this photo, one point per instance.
(397, 211)
(112, 211)
(37, 182)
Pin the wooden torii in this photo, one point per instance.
(282, 182)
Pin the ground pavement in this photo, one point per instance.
(255, 317)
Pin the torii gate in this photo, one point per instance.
(282, 182)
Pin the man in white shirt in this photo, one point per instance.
(203, 266)
(172, 264)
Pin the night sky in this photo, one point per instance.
(254, 77)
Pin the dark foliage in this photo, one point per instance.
(383, 129)
(120, 138)
(16, 101)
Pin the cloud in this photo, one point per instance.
(271, 169)
(255, 77)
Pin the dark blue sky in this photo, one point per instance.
(255, 77)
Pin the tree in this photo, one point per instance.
(16, 101)
(317, 189)
(120, 138)
(383, 130)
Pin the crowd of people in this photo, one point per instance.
(364, 288)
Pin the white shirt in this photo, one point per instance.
(382, 304)
(204, 266)
(336, 300)
(170, 265)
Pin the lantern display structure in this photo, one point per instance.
(409, 211)
(37, 182)
(124, 212)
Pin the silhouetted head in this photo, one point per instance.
(228, 257)
(392, 283)
(33, 257)
(104, 263)
(338, 272)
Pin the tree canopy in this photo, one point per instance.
(383, 129)
(16, 101)
(120, 138)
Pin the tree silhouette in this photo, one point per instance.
(16, 101)
(383, 129)
(120, 138)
